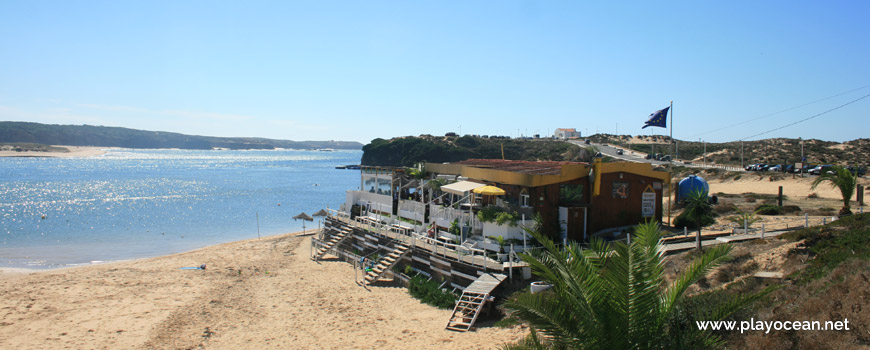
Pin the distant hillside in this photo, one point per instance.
(769, 151)
(405, 151)
(88, 135)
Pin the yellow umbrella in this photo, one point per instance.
(489, 191)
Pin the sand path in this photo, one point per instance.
(254, 294)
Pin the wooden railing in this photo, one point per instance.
(472, 256)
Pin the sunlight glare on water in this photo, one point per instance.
(57, 212)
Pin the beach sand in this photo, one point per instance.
(254, 294)
(74, 151)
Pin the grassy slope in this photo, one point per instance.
(828, 280)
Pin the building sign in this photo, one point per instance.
(620, 190)
(648, 203)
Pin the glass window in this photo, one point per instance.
(571, 195)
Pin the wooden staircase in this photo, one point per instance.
(385, 263)
(471, 302)
(341, 233)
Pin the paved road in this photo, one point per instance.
(637, 157)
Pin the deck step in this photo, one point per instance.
(471, 302)
(332, 242)
(385, 263)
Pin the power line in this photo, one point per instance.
(808, 118)
(782, 111)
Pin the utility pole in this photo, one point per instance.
(741, 155)
(802, 156)
(705, 151)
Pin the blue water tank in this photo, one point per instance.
(690, 184)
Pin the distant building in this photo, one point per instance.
(565, 134)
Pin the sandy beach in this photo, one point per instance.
(254, 294)
(74, 151)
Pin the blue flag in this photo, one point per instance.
(659, 119)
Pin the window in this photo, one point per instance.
(524, 198)
(571, 195)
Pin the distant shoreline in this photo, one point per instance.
(71, 152)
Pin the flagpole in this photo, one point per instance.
(671, 163)
(671, 109)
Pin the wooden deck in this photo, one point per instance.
(484, 284)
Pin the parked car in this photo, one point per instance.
(789, 168)
(666, 159)
(821, 169)
(749, 167)
(775, 168)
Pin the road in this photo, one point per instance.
(632, 156)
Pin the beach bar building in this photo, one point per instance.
(463, 223)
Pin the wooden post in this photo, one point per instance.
(779, 199)
(860, 195)
(698, 239)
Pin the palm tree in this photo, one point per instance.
(699, 210)
(614, 296)
(841, 178)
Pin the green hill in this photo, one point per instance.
(102, 136)
(406, 151)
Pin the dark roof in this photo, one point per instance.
(519, 166)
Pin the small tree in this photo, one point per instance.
(843, 179)
(744, 217)
(699, 210)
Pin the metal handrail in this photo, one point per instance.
(420, 240)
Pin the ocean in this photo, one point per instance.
(128, 204)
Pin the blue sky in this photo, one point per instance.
(358, 70)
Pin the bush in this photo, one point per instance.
(767, 209)
(681, 221)
(725, 208)
(429, 292)
(791, 209)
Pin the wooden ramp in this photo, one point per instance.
(385, 263)
(341, 234)
(471, 302)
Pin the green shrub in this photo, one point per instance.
(507, 218)
(682, 221)
(791, 209)
(488, 213)
(743, 218)
(768, 209)
(429, 292)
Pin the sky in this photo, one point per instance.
(359, 70)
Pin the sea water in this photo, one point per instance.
(126, 204)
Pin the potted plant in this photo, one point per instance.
(502, 256)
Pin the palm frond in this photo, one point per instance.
(695, 271)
